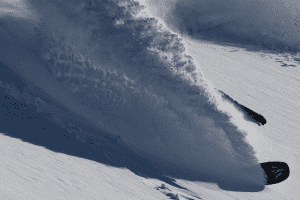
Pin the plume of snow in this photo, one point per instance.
(124, 72)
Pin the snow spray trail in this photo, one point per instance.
(122, 71)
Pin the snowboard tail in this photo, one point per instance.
(275, 172)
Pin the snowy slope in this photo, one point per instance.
(32, 172)
(258, 81)
(122, 107)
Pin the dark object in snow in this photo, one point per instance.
(163, 187)
(276, 172)
(257, 117)
(250, 115)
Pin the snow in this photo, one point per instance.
(126, 124)
(265, 93)
(33, 172)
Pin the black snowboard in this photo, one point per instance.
(276, 172)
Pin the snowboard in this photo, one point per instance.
(275, 172)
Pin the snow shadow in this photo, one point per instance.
(113, 77)
(30, 122)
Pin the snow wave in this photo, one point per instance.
(125, 73)
(269, 24)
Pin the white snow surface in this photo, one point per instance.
(166, 116)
